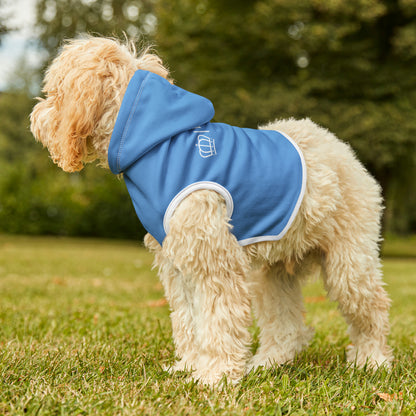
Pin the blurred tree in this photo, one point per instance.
(350, 66)
(4, 27)
(60, 19)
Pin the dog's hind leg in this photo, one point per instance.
(352, 277)
(278, 306)
(213, 269)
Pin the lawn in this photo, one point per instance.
(84, 329)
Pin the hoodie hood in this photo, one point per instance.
(152, 111)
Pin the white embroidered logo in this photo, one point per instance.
(206, 145)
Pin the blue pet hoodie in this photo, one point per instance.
(166, 146)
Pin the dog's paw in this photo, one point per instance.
(269, 360)
(282, 351)
(217, 379)
(181, 365)
(369, 357)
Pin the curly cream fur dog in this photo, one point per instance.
(211, 281)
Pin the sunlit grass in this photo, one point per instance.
(83, 331)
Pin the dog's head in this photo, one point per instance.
(83, 88)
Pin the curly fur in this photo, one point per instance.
(211, 282)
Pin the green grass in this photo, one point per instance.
(83, 331)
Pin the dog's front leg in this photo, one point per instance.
(180, 294)
(211, 272)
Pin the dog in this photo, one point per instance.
(103, 102)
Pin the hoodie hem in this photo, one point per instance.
(197, 186)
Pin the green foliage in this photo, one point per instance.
(38, 198)
(52, 202)
(399, 247)
(83, 331)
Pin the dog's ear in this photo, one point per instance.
(81, 108)
(67, 117)
(83, 90)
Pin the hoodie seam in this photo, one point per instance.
(128, 122)
(188, 190)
